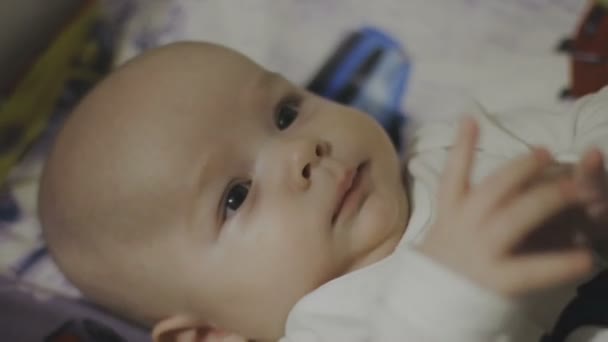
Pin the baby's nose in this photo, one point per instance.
(304, 155)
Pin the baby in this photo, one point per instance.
(211, 200)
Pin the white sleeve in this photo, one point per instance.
(430, 303)
(419, 303)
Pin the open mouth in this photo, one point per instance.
(352, 191)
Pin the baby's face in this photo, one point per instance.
(289, 191)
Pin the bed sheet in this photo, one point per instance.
(502, 53)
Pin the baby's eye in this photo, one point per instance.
(235, 196)
(287, 112)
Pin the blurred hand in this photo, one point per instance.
(592, 187)
(479, 228)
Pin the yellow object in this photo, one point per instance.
(25, 113)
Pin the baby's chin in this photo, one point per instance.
(379, 230)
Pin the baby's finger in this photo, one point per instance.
(538, 271)
(508, 180)
(592, 163)
(590, 168)
(456, 172)
(527, 212)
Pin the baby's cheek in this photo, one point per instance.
(378, 218)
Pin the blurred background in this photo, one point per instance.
(502, 54)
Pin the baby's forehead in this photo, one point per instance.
(223, 124)
(237, 104)
(172, 110)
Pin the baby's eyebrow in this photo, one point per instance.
(268, 79)
(271, 82)
(262, 93)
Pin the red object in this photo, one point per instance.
(589, 52)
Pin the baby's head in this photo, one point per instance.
(198, 193)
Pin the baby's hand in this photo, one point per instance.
(590, 177)
(479, 228)
(584, 223)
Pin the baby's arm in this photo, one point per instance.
(476, 235)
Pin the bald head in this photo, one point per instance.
(193, 184)
(116, 184)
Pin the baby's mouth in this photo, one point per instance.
(348, 189)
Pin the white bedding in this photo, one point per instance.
(498, 52)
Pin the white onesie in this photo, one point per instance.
(407, 296)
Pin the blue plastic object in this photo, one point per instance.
(369, 71)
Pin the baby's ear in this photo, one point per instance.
(187, 329)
